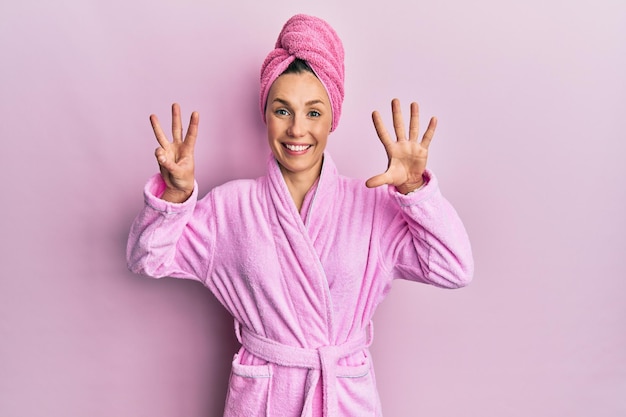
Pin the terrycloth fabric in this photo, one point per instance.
(316, 42)
(320, 362)
(304, 286)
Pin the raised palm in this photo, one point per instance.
(407, 157)
(175, 158)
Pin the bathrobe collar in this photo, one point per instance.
(310, 276)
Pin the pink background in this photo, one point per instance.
(531, 100)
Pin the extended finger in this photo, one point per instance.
(192, 132)
(177, 124)
(430, 132)
(414, 123)
(158, 132)
(380, 129)
(398, 122)
(378, 180)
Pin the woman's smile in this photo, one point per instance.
(296, 149)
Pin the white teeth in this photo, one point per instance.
(297, 148)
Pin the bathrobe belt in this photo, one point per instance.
(321, 362)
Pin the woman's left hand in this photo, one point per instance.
(407, 156)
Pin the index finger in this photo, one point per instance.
(430, 132)
(158, 132)
(382, 133)
(192, 131)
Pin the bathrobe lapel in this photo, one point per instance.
(303, 275)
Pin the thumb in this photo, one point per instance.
(378, 180)
(164, 162)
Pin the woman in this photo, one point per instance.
(302, 256)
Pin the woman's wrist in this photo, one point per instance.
(409, 188)
(176, 196)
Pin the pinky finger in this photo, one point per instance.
(159, 153)
(165, 164)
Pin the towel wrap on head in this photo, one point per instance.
(313, 40)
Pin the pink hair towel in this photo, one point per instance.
(313, 40)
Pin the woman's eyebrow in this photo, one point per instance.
(312, 102)
(308, 103)
(281, 101)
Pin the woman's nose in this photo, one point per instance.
(297, 128)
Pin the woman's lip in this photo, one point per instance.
(296, 148)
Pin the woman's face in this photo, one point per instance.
(299, 118)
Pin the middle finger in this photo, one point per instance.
(398, 123)
(177, 124)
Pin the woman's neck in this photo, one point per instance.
(299, 184)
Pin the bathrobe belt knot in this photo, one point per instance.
(321, 362)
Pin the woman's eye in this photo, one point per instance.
(314, 113)
(282, 112)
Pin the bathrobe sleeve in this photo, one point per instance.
(169, 239)
(424, 239)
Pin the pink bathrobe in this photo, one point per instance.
(302, 287)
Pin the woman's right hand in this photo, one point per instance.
(176, 158)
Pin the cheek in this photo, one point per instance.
(322, 130)
(272, 126)
(327, 125)
(274, 131)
